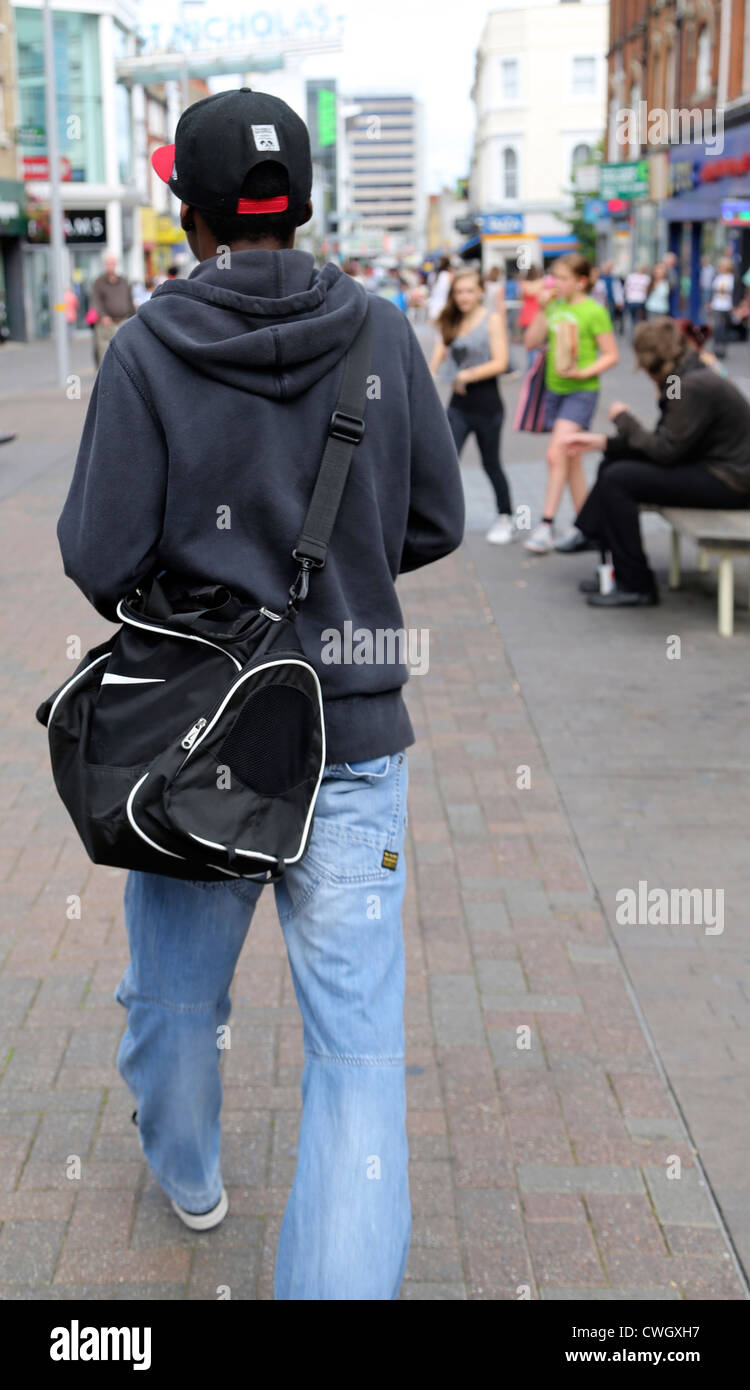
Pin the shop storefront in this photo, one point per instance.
(705, 188)
(12, 234)
(85, 243)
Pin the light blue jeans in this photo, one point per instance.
(347, 1224)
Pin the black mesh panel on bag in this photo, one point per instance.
(268, 748)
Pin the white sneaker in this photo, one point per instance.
(502, 531)
(542, 539)
(205, 1220)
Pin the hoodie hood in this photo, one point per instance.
(249, 324)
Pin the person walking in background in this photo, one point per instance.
(472, 352)
(707, 277)
(637, 285)
(598, 289)
(581, 346)
(672, 267)
(441, 284)
(494, 290)
(72, 305)
(659, 294)
(615, 296)
(113, 303)
(722, 302)
(530, 287)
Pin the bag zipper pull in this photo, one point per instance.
(190, 737)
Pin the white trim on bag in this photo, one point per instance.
(109, 679)
(142, 833)
(169, 632)
(283, 661)
(78, 676)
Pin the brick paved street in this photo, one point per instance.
(545, 1166)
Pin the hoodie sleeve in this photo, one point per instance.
(684, 423)
(435, 525)
(110, 526)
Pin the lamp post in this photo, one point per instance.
(56, 238)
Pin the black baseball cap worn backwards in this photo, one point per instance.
(220, 139)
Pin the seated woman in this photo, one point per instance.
(698, 456)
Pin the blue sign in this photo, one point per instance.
(226, 30)
(594, 210)
(735, 212)
(501, 223)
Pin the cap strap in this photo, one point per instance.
(279, 204)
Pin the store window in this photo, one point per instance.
(79, 103)
(510, 173)
(584, 77)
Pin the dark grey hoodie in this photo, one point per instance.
(200, 449)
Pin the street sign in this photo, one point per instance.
(31, 135)
(501, 223)
(593, 210)
(627, 181)
(37, 167)
(735, 212)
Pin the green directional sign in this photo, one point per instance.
(326, 117)
(31, 135)
(628, 180)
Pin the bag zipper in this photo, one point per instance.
(193, 733)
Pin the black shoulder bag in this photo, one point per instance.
(192, 742)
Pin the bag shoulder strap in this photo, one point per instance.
(345, 430)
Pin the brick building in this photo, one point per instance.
(682, 68)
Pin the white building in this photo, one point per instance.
(381, 192)
(540, 95)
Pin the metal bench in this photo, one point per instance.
(726, 534)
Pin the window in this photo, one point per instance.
(670, 78)
(510, 85)
(79, 104)
(635, 106)
(584, 77)
(510, 173)
(582, 154)
(704, 64)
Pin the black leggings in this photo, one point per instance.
(610, 513)
(486, 427)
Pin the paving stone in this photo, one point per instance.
(490, 917)
(29, 1250)
(679, 1201)
(534, 1003)
(548, 1177)
(507, 1053)
(594, 1294)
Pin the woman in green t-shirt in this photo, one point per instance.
(581, 345)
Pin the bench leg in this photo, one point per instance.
(674, 561)
(726, 596)
(703, 565)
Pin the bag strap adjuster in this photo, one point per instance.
(350, 428)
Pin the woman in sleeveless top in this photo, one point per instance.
(471, 353)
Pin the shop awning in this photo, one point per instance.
(469, 245)
(558, 243)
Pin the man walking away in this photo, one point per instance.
(200, 450)
(113, 303)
